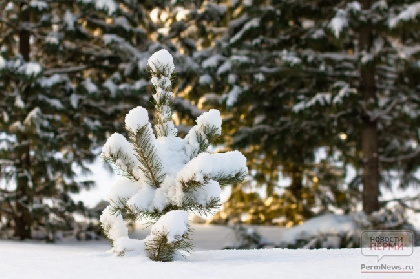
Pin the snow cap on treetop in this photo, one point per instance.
(162, 62)
(136, 118)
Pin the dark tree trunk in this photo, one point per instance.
(23, 218)
(296, 184)
(369, 130)
(271, 183)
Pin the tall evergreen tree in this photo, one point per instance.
(60, 84)
(69, 70)
(39, 124)
(302, 75)
(368, 56)
(259, 69)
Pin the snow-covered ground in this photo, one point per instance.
(91, 260)
(212, 237)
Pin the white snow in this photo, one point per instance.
(19, 102)
(171, 153)
(108, 5)
(30, 68)
(211, 118)
(290, 57)
(232, 95)
(355, 6)
(162, 61)
(136, 118)
(2, 62)
(205, 121)
(205, 79)
(409, 13)
(40, 5)
(69, 20)
(123, 22)
(210, 190)
(173, 224)
(259, 77)
(225, 67)
(211, 165)
(318, 34)
(328, 223)
(117, 144)
(322, 99)
(90, 86)
(143, 199)
(91, 260)
(339, 22)
(111, 86)
(114, 224)
(132, 247)
(343, 92)
(74, 100)
(124, 188)
(212, 61)
(9, 6)
(50, 81)
(253, 23)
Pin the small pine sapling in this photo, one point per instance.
(164, 176)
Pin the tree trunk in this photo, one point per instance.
(23, 219)
(296, 185)
(369, 129)
(272, 182)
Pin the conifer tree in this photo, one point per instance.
(261, 72)
(302, 70)
(164, 176)
(41, 138)
(368, 57)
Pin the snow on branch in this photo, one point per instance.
(409, 13)
(208, 128)
(147, 155)
(118, 151)
(226, 168)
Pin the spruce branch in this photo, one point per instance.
(223, 178)
(161, 79)
(121, 163)
(205, 136)
(159, 249)
(194, 183)
(146, 153)
(229, 178)
(190, 204)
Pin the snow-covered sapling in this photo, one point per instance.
(164, 176)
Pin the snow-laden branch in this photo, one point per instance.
(67, 70)
(399, 158)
